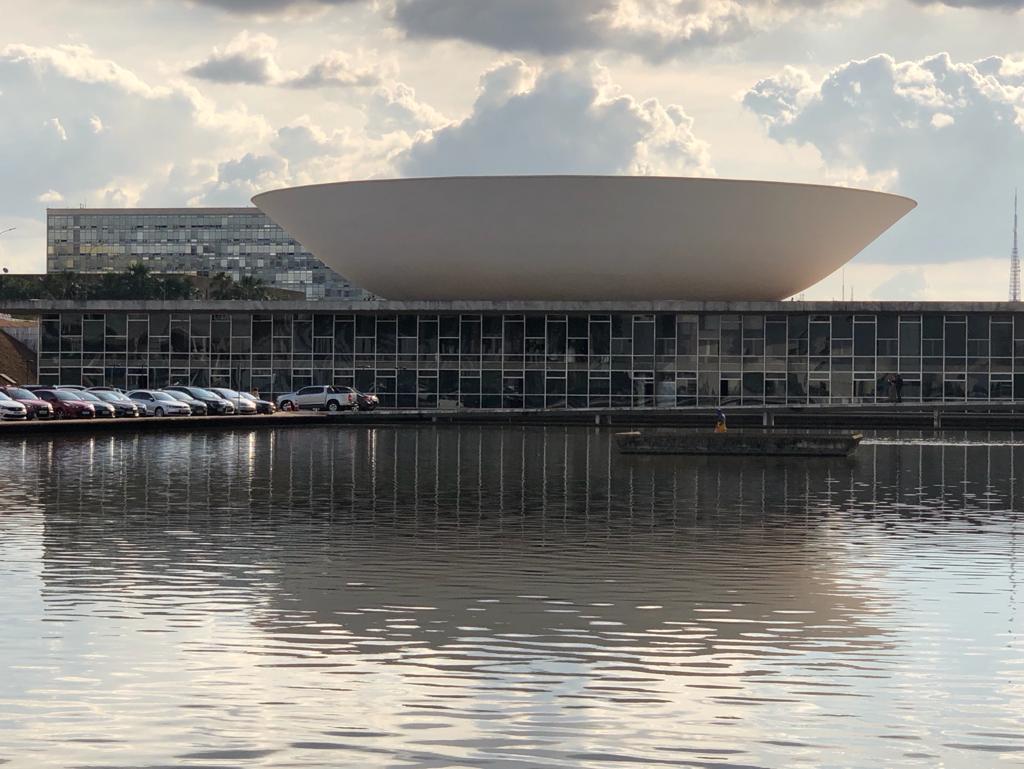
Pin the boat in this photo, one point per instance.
(768, 443)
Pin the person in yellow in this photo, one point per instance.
(720, 426)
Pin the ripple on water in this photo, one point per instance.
(512, 597)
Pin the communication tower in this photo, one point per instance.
(1014, 258)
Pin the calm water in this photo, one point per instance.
(485, 597)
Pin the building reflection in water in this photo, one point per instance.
(441, 575)
(484, 512)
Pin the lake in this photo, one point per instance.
(507, 597)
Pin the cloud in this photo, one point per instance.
(652, 29)
(559, 120)
(95, 131)
(250, 60)
(988, 5)
(247, 59)
(270, 7)
(949, 134)
(340, 70)
(394, 108)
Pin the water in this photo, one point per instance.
(484, 597)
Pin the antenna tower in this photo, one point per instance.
(1014, 258)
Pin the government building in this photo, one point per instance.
(240, 242)
(558, 292)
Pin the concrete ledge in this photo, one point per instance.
(1005, 416)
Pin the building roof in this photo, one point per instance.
(186, 211)
(581, 238)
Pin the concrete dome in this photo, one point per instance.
(582, 237)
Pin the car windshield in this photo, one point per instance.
(86, 396)
(178, 396)
(248, 397)
(17, 392)
(110, 396)
(226, 393)
(66, 395)
(201, 393)
(341, 390)
(165, 397)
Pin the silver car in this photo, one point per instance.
(159, 404)
(242, 405)
(317, 397)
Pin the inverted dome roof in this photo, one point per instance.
(582, 237)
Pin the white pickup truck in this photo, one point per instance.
(319, 397)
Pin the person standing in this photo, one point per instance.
(898, 382)
(890, 382)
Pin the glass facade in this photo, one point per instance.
(191, 241)
(550, 359)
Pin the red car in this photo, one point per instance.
(37, 408)
(66, 404)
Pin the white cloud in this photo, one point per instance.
(250, 59)
(245, 59)
(50, 197)
(559, 120)
(145, 133)
(874, 122)
(394, 108)
(56, 128)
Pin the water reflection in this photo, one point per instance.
(508, 597)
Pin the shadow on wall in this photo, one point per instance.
(17, 361)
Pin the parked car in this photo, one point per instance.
(262, 406)
(242, 406)
(366, 401)
(66, 404)
(214, 403)
(35, 407)
(123, 405)
(329, 397)
(103, 409)
(12, 409)
(72, 387)
(197, 406)
(159, 404)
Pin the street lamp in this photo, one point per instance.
(4, 232)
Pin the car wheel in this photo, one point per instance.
(287, 406)
(333, 406)
(158, 411)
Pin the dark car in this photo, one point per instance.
(198, 407)
(262, 406)
(103, 409)
(214, 403)
(37, 408)
(366, 401)
(67, 404)
(122, 404)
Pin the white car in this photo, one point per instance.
(329, 397)
(11, 409)
(159, 404)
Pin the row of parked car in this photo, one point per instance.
(77, 402)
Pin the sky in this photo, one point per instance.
(207, 102)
